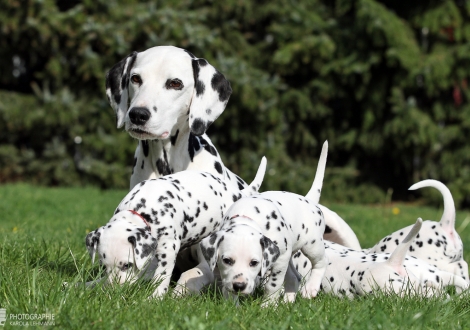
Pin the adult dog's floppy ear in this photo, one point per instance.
(210, 96)
(117, 81)
(270, 254)
(91, 241)
(210, 248)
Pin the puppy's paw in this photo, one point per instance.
(289, 297)
(309, 292)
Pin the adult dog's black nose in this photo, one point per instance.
(239, 286)
(139, 115)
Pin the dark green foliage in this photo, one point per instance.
(384, 81)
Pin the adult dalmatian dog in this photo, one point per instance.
(157, 219)
(352, 273)
(260, 233)
(438, 243)
(167, 98)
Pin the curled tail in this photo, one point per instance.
(258, 180)
(397, 258)
(315, 192)
(448, 216)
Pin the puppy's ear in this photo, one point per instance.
(117, 81)
(210, 96)
(210, 248)
(270, 254)
(147, 243)
(91, 241)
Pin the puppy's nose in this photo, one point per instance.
(239, 286)
(139, 115)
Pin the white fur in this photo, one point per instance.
(438, 243)
(173, 137)
(259, 235)
(181, 209)
(351, 272)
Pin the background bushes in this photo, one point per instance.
(385, 82)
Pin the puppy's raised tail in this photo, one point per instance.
(315, 192)
(448, 216)
(397, 258)
(258, 180)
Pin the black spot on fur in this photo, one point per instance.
(218, 167)
(117, 79)
(145, 147)
(198, 84)
(221, 86)
(328, 230)
(132, 240)
(198, 127)
(174, 137)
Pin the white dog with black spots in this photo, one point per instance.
(352, 273)
(259, 235)
(437, 243)
(167, 98)
(157, 219)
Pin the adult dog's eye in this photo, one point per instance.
(228, 261)
(254, 263)
(136, 79)
(174, 84)
(126, 267)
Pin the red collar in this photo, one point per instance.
(140, 216)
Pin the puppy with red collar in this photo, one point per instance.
(160, 217)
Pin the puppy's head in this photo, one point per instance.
(241, 254)
(152, 91)
(123, 248)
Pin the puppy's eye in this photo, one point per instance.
(228, 261)
(254, 263)
(126, 267)
(136, 79)
(174, 84)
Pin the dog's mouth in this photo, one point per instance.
(141, 134)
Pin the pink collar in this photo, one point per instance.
(140, 216)
(240, 216)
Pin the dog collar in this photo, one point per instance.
(240, 216)
(140, 216)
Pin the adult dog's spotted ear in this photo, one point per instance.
(91, 241)
(210, 248)
(270, 254)
(117, 81)
(211, 94)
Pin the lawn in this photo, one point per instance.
(42, 233)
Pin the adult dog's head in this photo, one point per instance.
(123, 248)
(153, 90)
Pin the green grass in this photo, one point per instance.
(42, 233)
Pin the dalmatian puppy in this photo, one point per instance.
(157, 219)
(260, 233)
(351, 272)
(167, 98)
(438, 243)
